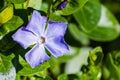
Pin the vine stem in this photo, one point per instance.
(49, 9)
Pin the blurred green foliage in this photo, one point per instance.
(92, 34)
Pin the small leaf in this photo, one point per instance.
(72, 6)
(16, 1)
(63, 77)
(57, 17)
(5, 62)
(6, 14)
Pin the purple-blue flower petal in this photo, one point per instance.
(37, 23)
(57, 46)
(24, 37)
(36, 55)
(62, 5)
(55, 38)
(55, 29)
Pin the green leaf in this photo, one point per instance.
(57, 17)
(6, 29)
(16, 1)
(78, 34)
(74, 51)
(113, 69)
(72, 6)
(35, 4)
(63, 77)
(27, 70)
(6, 14)
(97, 22)
(9, 75)
(5, 63)
(11, 25)
(96, 55)
(6, 43)
(107, 29)
(116, 57)
(89, 15)
(93, 73)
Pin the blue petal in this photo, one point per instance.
(36, 55)
(57, 46)
(24, 37)
(62, 5)
(55, 29)
(37, 23)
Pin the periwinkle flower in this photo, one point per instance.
(62, 5)
(51, 38)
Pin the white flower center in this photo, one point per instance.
(42, 39)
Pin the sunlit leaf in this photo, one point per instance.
(6, 14)
(36, 4)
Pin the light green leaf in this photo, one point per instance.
(35, 4)
(72, 6)
(16, 1)
(5, 63)
(63, 77)
(57, 17)
(6, 14)
(27, 70)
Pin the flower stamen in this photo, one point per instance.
(42, 40)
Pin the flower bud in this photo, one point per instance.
(62, 5)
